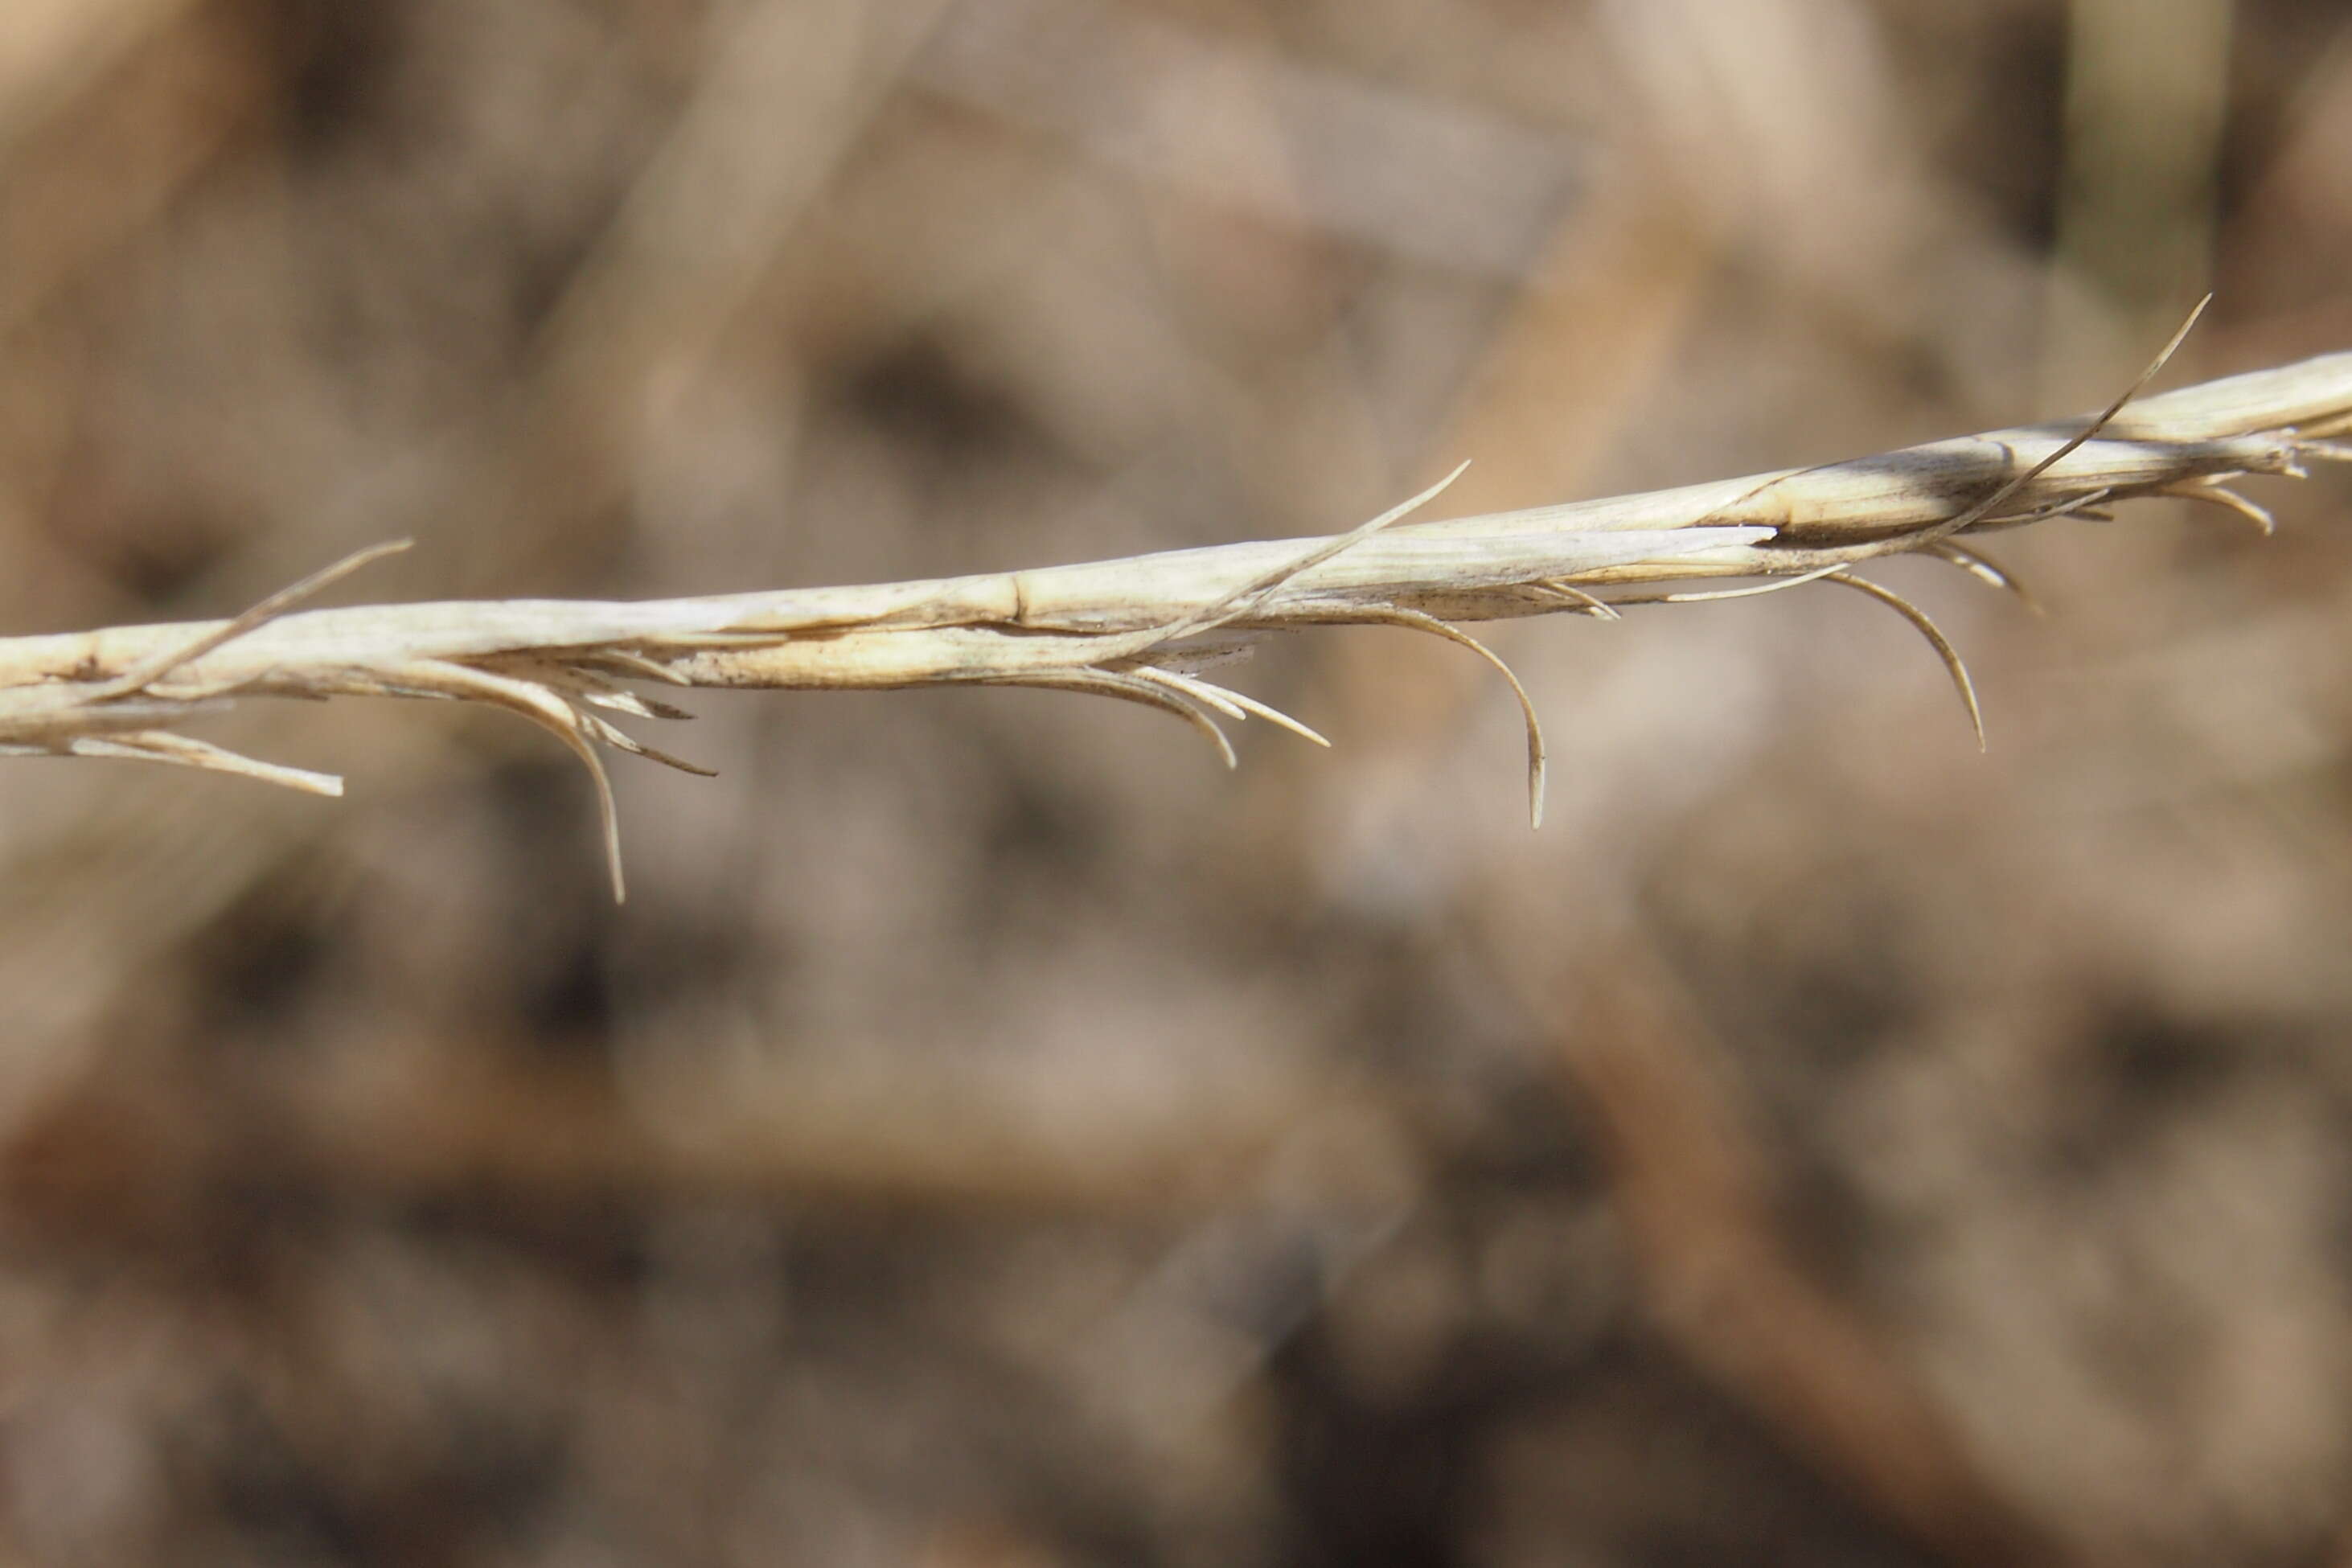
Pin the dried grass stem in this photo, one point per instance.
(1145, 628)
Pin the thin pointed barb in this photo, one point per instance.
(1954, 664)
(1752, 591)
(621, 740)
(2104, 417)
(1242, 601)
(2207, 493)
(1986, 569)
(160, 665)
(639, 667)
(1215, 699)
(187, 752)
(2084, 506)
(1277, 717)
(1235, 705)
(1579, 602)
(1539, 755)
(549, 712)
(1130, 688)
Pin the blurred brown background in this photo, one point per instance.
(991, 1135)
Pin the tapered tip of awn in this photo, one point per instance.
(1991, 504)
(1985, 570)
(187, 752)
(1539, 756)
(1238, 603)
(149, 671)
(1235, 705)
(2209, 493)
(1953, 665)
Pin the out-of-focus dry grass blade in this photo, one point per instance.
(49, 48)
(788, 91)
(1360, 146)
(107, 110)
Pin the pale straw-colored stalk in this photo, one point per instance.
(1148, 628)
